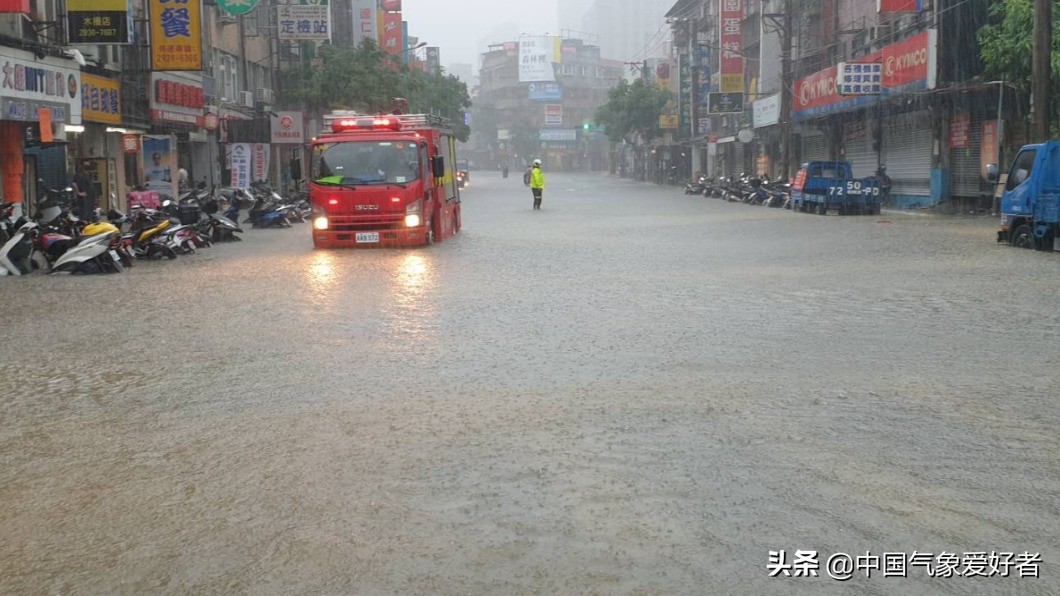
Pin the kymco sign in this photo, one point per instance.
(907, 65)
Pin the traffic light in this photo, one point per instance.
(586, 126)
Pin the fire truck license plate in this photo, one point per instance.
(365, 237)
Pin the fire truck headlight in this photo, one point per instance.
(320, 223)
(412, 220)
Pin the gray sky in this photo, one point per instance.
(459, 27)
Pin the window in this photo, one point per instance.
(359, 162)
(1021, 168)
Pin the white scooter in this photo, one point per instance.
(94, 254)
(16, 255)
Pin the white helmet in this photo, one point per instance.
(537, 162)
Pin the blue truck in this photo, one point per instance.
(1030, 197)
(821, 186)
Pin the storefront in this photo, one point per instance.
(766, 117)
(859, 146)
(906, 138)
(39, 99)
(177, 137)
(96, 146)
(908, 144)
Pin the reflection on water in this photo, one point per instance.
(320, 277)
(411, 310)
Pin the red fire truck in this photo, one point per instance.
(384, 181)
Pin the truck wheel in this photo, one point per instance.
(822, 209)
(1022, 236)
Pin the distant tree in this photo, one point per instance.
(442, 94)
(1006, 43)
(632, 108)
(367, 79)
(343, 78)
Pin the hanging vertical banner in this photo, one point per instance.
(158, 160)
(99, 21)
(260, 160)
(684, 91)
(899, 5)
(731, 46)
(176, 34)
(240, 159)
(391, 34)
(988, 145)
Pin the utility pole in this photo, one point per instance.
(786, 91)
(1041, 69)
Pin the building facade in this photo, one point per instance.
(551, 120)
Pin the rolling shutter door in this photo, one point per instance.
(907, 153)
(965, 177)
(814, 148)
(861, 156)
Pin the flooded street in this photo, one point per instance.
(630, 391)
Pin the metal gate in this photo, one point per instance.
(907, 153)
(814, 148)
(965, 176)
(857, 140)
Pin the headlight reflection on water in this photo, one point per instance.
(411, 310)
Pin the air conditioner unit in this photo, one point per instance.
(246, 99)
(264, 96)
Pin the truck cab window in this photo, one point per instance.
(1021, 168)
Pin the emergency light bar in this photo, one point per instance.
(382, 123)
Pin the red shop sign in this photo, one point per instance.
(130, 143)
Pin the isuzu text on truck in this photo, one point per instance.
(380, 181)
(1030, 198)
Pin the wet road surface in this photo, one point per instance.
(630, 391)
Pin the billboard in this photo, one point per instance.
(859, 78)
(899, 5)
(99, 21)
(100, 99)
(304, 20)
(545, 92)
(392, 34)
(434, 60)
(288, 128)
(176, 35)
(390, 5)
(558, 134)
(536, 55)
(364, 21)
(725, 103)
(909, 64)
(731, 63)
(553, 115)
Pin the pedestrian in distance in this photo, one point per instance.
(537, 183)
(84, 193)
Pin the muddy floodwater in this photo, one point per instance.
(630, 391)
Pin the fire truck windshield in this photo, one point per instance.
(365, 162)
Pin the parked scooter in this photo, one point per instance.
(16, 254)
(93, 254)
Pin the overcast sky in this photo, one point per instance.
(458, 27)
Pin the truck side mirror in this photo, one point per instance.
(296, 168)
(991, 172)
(438, 166)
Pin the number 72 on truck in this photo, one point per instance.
(383, 181)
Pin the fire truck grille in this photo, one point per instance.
(364, 223)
